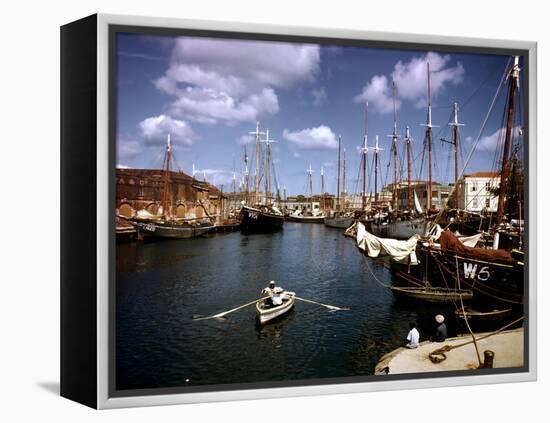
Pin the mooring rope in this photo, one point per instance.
(464, 314)
(438, 355)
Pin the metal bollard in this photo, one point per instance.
(488, 359)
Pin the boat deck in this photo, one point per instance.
(507, 346)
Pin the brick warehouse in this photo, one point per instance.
(138, 189)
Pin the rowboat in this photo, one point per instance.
(267, 312)
(483, 315)
(432, 294)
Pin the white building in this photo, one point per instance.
(477, 191)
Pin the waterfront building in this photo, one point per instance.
(440, 194)
(479, 191)
(138, 189)
(300, 202)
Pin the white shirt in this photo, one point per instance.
(413, 337)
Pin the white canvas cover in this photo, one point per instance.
(144, 214)
(469, 241)
(399, 251)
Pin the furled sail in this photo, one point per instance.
(417, 204)
(399, 251)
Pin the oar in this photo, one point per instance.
(330, 307)
(225, 313)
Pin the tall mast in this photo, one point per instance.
(267, 142)
(309, 173)
(247, 179)
(257, 155)
(394, 137)
(455, 126)
(344, 180)
(338, 179)
(322, 188)
(429, 127)
(364, 151)
(376, 150)
(505, 172)
(409, 188)
(165, 193)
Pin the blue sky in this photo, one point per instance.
(209, 93)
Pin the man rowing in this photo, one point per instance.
(276, 294)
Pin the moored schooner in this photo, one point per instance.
(496, 276)
(339, 218)
(395, 223)
(311, 215)
(163, 224)
(261, 217)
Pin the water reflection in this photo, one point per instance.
(161, 286)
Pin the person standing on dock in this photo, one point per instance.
(441, 331)
(413, 337)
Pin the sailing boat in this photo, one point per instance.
(312, 215)
(494, 275)
(164, 225)
(339, 219)
(261, 217)
(395, 224)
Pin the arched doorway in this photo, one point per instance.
(152, 208)
(125, 209)
(180, 210)
(199, 212)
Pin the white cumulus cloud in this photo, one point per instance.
(246, 139)
(411, 82)
(155, 130)
(319, 96)
(490, 142)
(127, 149)
(320, 137)
(232, 81)
(378, 94)
(217, 177)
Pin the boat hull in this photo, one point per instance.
(171, 231)
(338, 222)
(266, 315)
(257, 221)
(484, 316)
(399, 230)
(431, 295)
(491, 281)
(306, 219)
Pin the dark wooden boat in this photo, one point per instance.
(261, 219)
(165, 225)
(171, 229)
(495, 276)
(483, 316)
(432, 294)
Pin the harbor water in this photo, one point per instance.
(161, 286)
